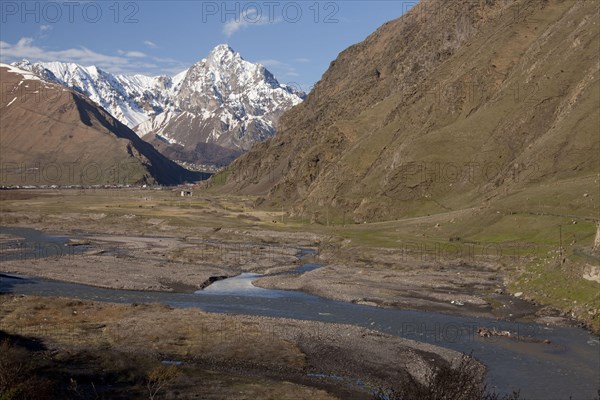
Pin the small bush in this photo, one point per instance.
(159, 378)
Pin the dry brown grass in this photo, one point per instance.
(124, 344)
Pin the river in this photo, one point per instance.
(567, 366)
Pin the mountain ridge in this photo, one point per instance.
(121, 95)
(205, 103)
(52, 135)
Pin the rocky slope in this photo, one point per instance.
(455, 104)
(51, 135)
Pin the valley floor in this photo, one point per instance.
(155, 240)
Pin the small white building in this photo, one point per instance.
(186, 193)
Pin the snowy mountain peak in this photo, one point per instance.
(225, 100)
(223, 50)
(221, 57)
(23, 64)
(37, 70)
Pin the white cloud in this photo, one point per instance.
(232, 27)
(247, 18)
(44, 30)
(25, 48)
(271, 63)
(134, 54)
(150, 44)
(125, 63)
(137, 54)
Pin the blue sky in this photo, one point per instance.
(296, 40)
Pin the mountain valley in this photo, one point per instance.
(423, 225)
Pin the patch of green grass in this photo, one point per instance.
(219, 179)
(561, 286)
(537, 229)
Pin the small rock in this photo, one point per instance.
(518, 294)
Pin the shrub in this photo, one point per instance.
(159, 378)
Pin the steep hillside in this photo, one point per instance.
(50, 135)
(456, 104)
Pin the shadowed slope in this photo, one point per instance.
(54, 136)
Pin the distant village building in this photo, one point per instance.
(186, 193)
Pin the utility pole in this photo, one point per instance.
(560, 249)
(560, 236)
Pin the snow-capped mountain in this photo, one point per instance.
(131, 99)
(223, 99)
(226, 100)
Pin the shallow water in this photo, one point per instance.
(240, 286)
(35, 245)
(568, 366)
